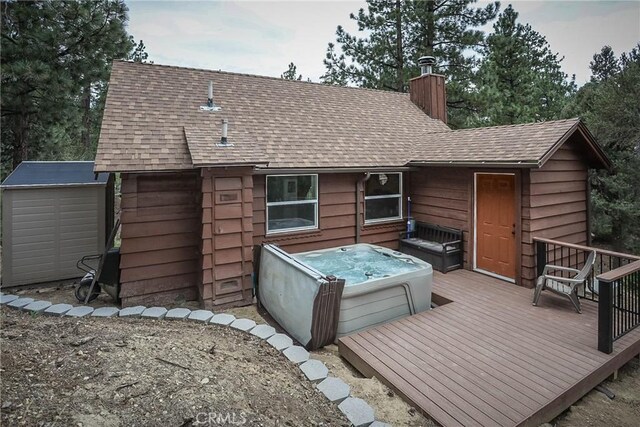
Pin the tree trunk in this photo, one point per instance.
(86, 117)
(399, 48)
(20, 143)
(431, 27)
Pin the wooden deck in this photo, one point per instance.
(489, 357)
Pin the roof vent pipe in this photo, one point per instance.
(426, 64)
(211, 106)
(225, 125)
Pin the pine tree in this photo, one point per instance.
(56, 58)
(520, 79)
(139, 53)
(394, 34)
(604, 65)
(609, 106)
(291, 73)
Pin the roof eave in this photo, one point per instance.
(334, 169)
(602, 156)
(167, 170)
(479, 163)
(229, 164)
(66, 184)
(579, 126)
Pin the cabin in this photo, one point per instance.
(208, 176)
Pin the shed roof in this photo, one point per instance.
(31, 174)
(153, 122)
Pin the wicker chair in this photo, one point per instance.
(567, 286)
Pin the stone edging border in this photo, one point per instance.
(357, 411)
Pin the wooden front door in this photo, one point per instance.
(496, 224)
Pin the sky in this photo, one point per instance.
(263, 37)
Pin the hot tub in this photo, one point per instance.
(381, 285)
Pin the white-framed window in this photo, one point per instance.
(383, 197)
(292, 203)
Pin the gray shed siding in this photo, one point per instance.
(47, 229)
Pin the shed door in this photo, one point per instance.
(46, 230)
(495, 224)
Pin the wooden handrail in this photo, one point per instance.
(619, 272)
(587, 248)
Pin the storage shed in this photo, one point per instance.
(53, 213)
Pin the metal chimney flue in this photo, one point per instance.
(210, 106)
(225, 126)
(426, 64)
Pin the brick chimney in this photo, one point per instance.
(429, 90)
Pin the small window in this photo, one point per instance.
(383, 197)
(292, 203)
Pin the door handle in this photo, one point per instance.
(513, 230)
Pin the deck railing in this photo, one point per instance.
(614, 283)
(571, 255)
(619, 304)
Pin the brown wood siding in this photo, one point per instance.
(337, 218)
(429, 93)
(442, 196)
(227, 246)
(555, 204)
(160, 238)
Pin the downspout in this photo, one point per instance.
(359, 184)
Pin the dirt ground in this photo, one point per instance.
(107, 372)
(595, 409)
(388, 407)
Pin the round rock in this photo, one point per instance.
(296, 354)
(20, 303)
(37, 306)
(314, 370)
(6, 299)
(154, 313)
(58, 309)
(243, 324)
(357, 411)
(263, 331)
(177, 314)
(79, 311)
(334, 389)
(105, 312)
(280, 342)
(200, 315)
(135, 311)
(223, 319)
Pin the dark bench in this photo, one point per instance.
(439, 246)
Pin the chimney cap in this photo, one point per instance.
(426, 64)
(427, 60)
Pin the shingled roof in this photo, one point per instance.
(153, 122)
(290, 123)
(528, 144)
